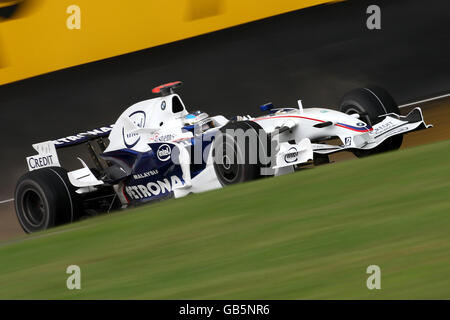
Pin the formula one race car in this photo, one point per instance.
(158, 150)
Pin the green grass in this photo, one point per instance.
(309, 235)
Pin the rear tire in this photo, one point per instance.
(371, 102)
(45, 198)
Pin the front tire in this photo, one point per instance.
(240, 158)
(371, 102)
(45, 198)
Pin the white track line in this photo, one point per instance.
(6, 201)
(425, 100)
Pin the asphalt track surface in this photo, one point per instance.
(316, 54)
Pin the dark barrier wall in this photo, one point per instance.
(316, 54)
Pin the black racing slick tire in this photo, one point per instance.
(371, 102)
(238, 158)
(44, 199)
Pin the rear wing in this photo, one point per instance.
(82, 137)
(47, 155)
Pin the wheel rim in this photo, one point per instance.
(33, 208)
(228, 168)
(226, 162)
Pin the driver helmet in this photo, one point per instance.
(194, 117)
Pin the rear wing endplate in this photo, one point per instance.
(47, 155)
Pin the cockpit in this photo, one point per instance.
(198, 122)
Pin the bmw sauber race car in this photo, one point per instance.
(158, 150)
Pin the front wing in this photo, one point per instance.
(392, 125)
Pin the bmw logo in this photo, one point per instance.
(163, 105)
(361, 124)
